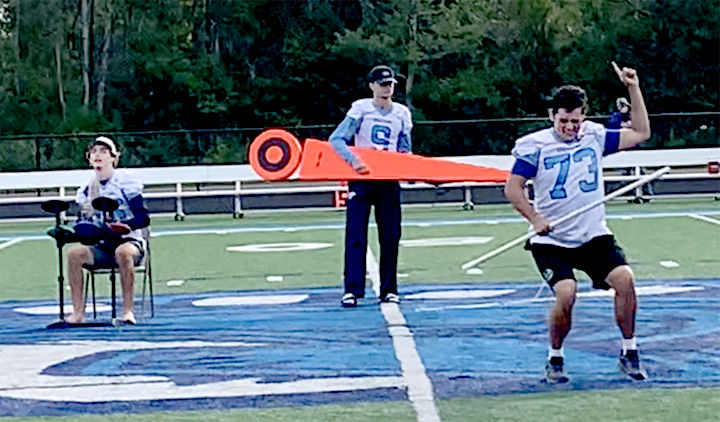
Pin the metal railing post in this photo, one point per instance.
(238, 203)
(179, 214)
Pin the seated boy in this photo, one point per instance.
(122, 241)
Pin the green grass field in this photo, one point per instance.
(688, 405)
(28, 271)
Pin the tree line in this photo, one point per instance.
(180, 79)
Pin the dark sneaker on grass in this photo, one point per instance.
(631, 366)
(348, 300)
(554, 371)
(390, 298)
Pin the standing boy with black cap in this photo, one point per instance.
(381, 124)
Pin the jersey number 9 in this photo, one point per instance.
(381, 136)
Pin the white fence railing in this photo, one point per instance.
(163, 183)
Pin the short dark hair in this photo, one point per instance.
(568, 97)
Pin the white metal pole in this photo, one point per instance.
(568, 216)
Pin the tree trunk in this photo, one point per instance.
(412, 64)
(85, 17)
(16, 46)
(127, 28)
(107, 33)
(216, 39)
(203, 28)
(58, 75)
(214, 32)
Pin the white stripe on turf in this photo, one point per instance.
(10, 243)
(406, 223)
(420, 390)
(703, 218)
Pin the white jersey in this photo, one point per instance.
(122, 187)
(379, 128)
(367, 126)
(567, 176)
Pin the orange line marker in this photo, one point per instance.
(318, 161)
(275, 154)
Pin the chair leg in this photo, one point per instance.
(112, 292)
(92, 280)
(147, 285)
(144, 288)
(87, 286)
(152, 295)
(90, 285)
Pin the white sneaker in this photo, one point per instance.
(348, 300)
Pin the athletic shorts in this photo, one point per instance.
(104, 258)
(597, 258)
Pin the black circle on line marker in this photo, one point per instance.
(264, 163)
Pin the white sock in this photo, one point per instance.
(629, 344)
(555, 352)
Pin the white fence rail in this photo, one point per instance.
(20, 187)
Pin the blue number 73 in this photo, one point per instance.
(558, 191)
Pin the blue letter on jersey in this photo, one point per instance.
(381, 136)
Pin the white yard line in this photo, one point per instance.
(373, 271)
(703, 218)
(420, 391)
(486, 305)
(10, 243)
(337, 226)
(606, 294)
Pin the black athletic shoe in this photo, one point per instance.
(390, 298)
(348, 300)
(554, 371)
(630, 365)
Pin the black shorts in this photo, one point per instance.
(596, 258)
(104, 258)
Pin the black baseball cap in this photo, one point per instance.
(382, 74)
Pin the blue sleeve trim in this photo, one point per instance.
(404, 143)
(524, 169)
(342, 136)
(140, 213)
(614, 121)
(612, 142)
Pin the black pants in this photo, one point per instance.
(362, 195)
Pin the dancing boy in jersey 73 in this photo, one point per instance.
(564, 162)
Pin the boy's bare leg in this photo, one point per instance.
(125, 257)
(622, 280)
(561, 314)
(77, 257)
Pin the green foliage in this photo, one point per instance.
(17, 155)
(212, 64)
(228, 149)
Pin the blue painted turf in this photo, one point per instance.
(467, 352)
(501, 349)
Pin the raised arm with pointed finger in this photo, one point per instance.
(639, 130)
